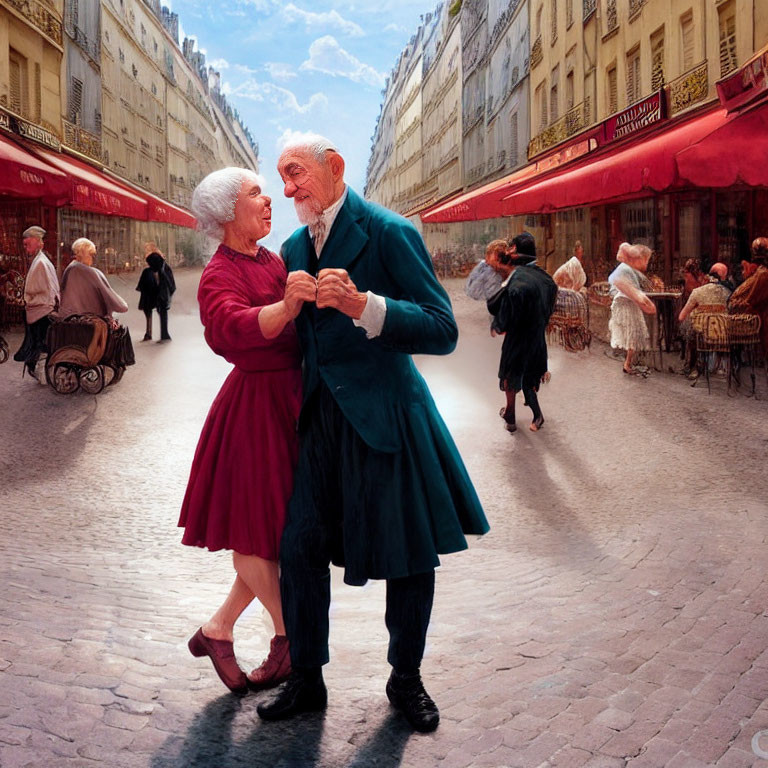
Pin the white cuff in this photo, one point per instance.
(374, 314)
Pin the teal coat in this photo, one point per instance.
(374, 381)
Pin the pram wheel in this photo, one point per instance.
(62, 377)
(92, 380)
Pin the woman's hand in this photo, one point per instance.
(300, 287)
(647, 305)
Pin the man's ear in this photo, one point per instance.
(336, 162)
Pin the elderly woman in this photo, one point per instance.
(627, 325)
(84, 288)
(242, 472)
(571, 275)
(752, 295)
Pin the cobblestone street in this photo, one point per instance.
(616, 614)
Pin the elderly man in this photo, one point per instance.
(41, 297)
(85, 288)
(379, 486)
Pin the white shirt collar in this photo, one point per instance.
(327, 217)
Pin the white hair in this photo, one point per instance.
(313, 142)
(80, 244)
(214, 198)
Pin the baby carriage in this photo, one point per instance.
(569, 322)
(87, 352)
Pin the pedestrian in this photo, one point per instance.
(85, 289)
(380, 488)
(627, 326)
(483, 281)
(156, 286)
(571, 275)
(521, 310)
(41, 300)
(242, 472)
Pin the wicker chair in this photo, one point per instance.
(569, 322)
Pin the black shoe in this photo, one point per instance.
(147, 337)
(406, 693)
(299, 693)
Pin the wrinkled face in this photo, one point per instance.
(308, 181)
(85, 255)
(253, 211)
(32, 245)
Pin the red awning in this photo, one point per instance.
(24, 175)
(162, 210)
(637, 168)
(93, 191)
(735, 153)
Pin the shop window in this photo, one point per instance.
(727, 18)
(612, 85)
(657, 60)
(633, 76)
(553, 95)
(686, 41)
(19, 87)
(75, 101)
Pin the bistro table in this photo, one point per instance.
(667, 303)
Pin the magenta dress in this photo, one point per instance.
(242, 473)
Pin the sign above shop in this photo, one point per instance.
(635, 118)
(745, 85)
(565, 155)
(15, 124)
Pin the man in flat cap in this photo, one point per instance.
(41, 297)
(521, 311)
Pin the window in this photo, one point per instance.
(569, 91)
(122, 55)
(19, 87)
(613, 89)
(657, 59)
(541, 103)
(38, 94)
(553, 11)
(686, 41)
(513, 148)
(538, 21)
(73, 12)
(633, 75)
(75, 101)
(553, 100)
(568, 13)
(728, 60)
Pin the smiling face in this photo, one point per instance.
(253, 217)
(312, 184)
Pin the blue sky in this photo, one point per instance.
(301, 66)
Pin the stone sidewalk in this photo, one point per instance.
(614, 616)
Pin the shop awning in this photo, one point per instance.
(162, 210)
(638, 167)
(92, 191)
(24, 175)
(735, 153)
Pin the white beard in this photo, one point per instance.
(307, 212)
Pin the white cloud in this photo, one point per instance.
(279, 71)
(219, 64)
(281, 98)
(326, 19)
(394, 28)
(328, 57)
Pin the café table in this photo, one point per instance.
(667, 309)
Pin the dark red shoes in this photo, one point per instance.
(275, 668)
(222, 654)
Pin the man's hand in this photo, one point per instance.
(335, 290)
(299, 287)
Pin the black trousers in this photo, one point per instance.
(163, 323)
(313, 537)
(34, 343)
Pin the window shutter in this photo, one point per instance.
(38, 94)
(15, 77)
(513, 143)
(728, 60)
(657, 60)
(75, 101)
(554, 21)
(613, 91)
(687, 37)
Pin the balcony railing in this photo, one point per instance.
(571, 122)
(590, 6)
(611, 17)
(635, 6)
(39, 16)
(537, 52)
(689, 88)
(83, 141)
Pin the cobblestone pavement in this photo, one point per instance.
(614, 616)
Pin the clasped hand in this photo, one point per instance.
(333, 289)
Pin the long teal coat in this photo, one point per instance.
(374, 381)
